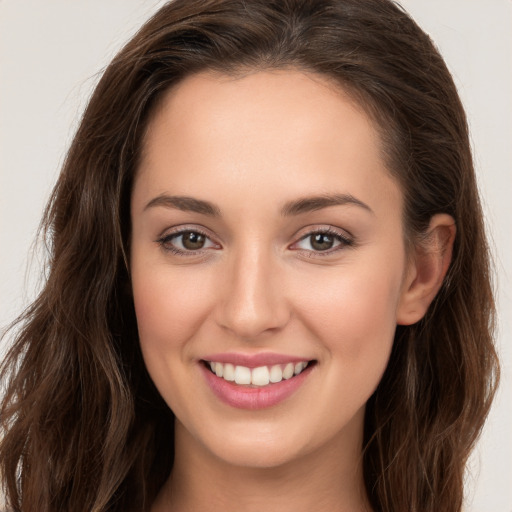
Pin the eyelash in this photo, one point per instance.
(343, 240)
(164, 242)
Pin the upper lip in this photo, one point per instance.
(254, 360)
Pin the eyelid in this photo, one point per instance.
(342, 236)
(167, 235)
(174, 230)
(346, 240)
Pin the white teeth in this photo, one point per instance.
(276, 374)
(229, 372)
(299, 367)
(288, 371)
(242, 375)
(260, 376)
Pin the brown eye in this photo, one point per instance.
(321, 241)
(192, 240)
(187, 242)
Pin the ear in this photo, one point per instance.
(427, 269)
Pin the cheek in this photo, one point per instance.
(169, 305)
(169, 308)
(354, 301)
(354, 317)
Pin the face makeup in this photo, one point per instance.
(268, 265)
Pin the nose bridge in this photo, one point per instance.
(253, 299)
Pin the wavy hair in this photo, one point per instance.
(83, 427)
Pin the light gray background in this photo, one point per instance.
(50, 54)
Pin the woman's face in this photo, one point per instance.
(266, 233)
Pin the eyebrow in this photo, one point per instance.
(310, 204)
(186, 204)
(291, 208)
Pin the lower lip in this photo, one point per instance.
(243, 397)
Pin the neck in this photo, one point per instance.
(326, 480)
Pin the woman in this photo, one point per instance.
(268, 269)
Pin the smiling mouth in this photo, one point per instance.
(259, 376)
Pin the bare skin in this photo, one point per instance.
(314, 482)
(263, 274)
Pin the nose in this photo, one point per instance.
(253, 299)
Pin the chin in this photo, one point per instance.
(257, 456)
(246, 445)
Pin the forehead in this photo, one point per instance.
(281, 105)
(292, 131)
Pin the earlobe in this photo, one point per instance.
(427, 270)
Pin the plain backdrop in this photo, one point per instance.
(51, 55)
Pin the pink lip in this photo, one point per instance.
(254, 360)
(243, 397)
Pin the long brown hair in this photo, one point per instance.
(83, 427)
